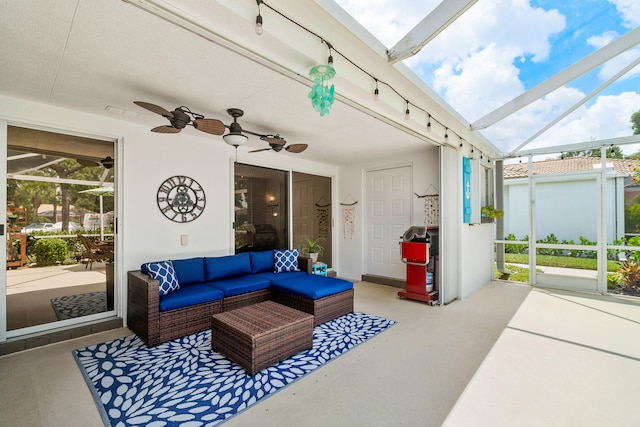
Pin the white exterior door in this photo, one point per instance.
(388, 198)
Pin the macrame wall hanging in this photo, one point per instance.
(323, 215)
(431, 206)
(348, 217)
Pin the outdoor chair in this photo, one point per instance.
(95, 251)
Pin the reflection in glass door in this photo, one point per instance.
(60, 230)
(312, 213)
(261, 218)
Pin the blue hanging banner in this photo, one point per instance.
(466, 190)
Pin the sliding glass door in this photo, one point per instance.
(261, 208)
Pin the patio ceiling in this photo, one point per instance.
(99, 57)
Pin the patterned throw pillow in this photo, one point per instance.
(285, 260)
(164, 273)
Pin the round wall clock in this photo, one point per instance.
(181, 199)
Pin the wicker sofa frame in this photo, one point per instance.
(154, 327)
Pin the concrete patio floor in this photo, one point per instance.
(508, 355)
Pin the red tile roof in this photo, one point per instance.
(570, 164)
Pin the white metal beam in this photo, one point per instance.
(565, 76)
(432, 25)
(624, 140)
(575, 106)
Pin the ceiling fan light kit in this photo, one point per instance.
(235, 137)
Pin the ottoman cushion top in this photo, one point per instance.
(311, 285)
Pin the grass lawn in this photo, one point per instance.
(561, 261)
(521, 274)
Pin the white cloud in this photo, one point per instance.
(608, 117)
(480, 82)
(630, 11)
(475, 55)
(613, 66)
(388, 20)
(474, 64)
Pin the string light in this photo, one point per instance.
(446, 133)
(376, 93)
(259, 20)
(330, 60)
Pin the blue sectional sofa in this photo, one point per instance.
(174, 298)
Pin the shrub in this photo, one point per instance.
(629, 274)
(509, 248)
(50, 251)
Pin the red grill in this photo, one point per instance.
(414, 250)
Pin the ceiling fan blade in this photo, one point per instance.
(165, 129)
(296, 148)
(262, 149)
(212, 126)
(154, 108)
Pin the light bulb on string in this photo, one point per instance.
(376, 93)
(429, 123)
(407, 113)
(259, 19)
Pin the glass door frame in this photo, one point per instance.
(119, 292)
(562, 281)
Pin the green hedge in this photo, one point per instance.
(50, 251)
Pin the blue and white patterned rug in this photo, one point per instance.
(185, 383)
(70, 306)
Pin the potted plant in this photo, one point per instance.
(314, 249)
(491, 213)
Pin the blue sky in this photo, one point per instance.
(500, 48)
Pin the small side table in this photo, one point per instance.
(319, 268)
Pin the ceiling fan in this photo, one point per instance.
(276, 143)
(181, 117)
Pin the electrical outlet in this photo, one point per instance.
(184, 239)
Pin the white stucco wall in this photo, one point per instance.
(146, 159)
(566, 207)
(425, 170)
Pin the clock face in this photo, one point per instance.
(181, 199)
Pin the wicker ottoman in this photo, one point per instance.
(259, 335)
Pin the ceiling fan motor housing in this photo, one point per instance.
(180, 119)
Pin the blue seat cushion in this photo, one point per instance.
(189, 295)
(226, 266)
(189, 270)
(311, 285)
(261, 261)
(240, 285)
(271, 276)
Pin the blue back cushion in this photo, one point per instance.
(227, 266)
(189, 270)
(261, 261)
